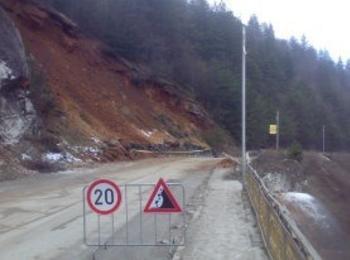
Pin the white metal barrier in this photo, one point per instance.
(130, 225)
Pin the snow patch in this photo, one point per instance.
(147, 133)
(5, 72)
(299, 196)
(248, 159)
(87, 150)
(56, 157)
(26, 157)
(324, 157)
(306, 202)
(71, 158)
(91, 150)
(53, 157)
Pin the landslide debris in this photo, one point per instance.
(73, 101)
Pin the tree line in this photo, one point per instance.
(199, 46)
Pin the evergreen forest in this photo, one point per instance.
(199, 46)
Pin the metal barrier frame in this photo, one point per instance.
(172, 243)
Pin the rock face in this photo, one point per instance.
(17, 114)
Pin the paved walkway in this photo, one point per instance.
(225, 228)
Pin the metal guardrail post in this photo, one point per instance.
(126, 215)
(155, 229)
(99, 229)
(140, 209)
(84, 216)
(112, 220)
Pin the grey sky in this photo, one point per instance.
(323, 22)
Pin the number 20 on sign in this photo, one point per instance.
(103, 196)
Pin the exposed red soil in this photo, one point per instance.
(94, 92)
(227, 163)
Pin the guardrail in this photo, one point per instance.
(282, 238)
(195, 153)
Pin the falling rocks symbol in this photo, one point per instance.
(162, 200)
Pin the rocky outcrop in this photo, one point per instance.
(17, 114)
(13, 65)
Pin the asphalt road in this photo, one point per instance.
(41, 216)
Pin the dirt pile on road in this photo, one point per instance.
(227, 163)
(93, 104)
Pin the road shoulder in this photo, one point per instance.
(225, 228)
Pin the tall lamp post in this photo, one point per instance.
(323, 139)
(278, 130)
(243, 162)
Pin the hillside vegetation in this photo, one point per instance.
(199, 46)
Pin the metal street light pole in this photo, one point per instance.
(278, 130)
(323, 138)
(243, 162)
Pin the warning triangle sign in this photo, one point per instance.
(162, 200)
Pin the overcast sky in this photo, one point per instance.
(326, 24)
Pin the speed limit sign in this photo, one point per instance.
(103, 196)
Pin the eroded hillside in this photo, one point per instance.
(90, 104)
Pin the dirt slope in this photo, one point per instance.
(87, 97)
(316, 191)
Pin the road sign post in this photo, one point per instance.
(274, 129)
(278, 130)
(244, 53)
(323, 138)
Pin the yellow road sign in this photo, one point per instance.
(273, 129)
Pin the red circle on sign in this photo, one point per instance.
(89, 196)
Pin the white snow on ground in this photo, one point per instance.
(147, 133)
(324, 157)
(26, 156)
(81, 151)
(226, 227)
(248, 159)
(71, 158)
(53, 157)
(92, 150)
(306, 202)
(5, 71)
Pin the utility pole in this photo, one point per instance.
(278, 130)
(243, 162)
(323, 138)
